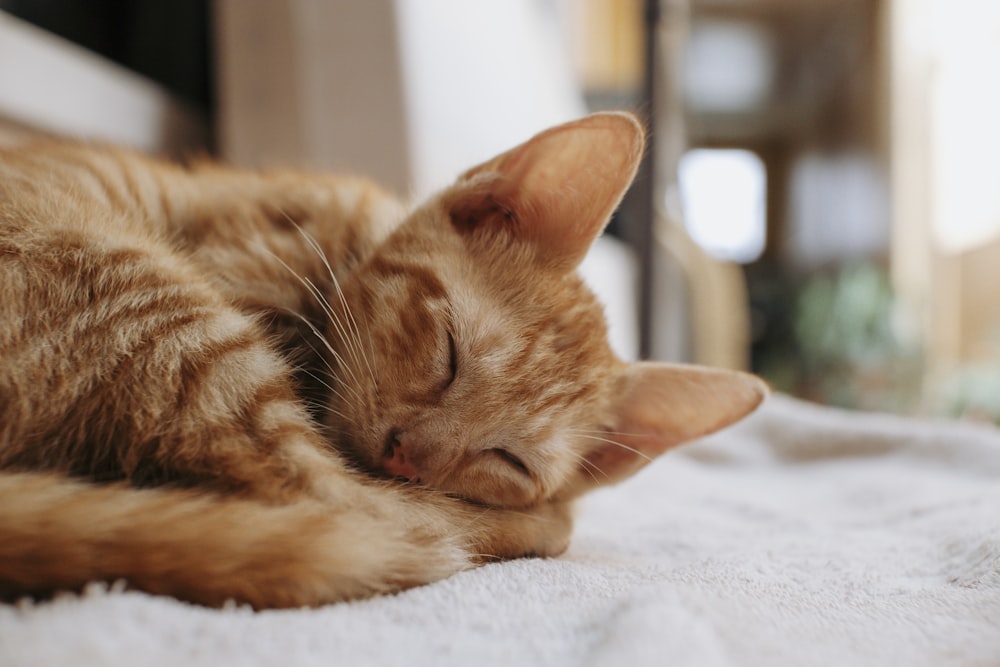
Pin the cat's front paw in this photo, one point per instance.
(542, 531)
(549, 534)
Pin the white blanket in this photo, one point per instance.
(803, 536)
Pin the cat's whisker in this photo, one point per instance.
(340, 360)
(340, 293)
(324, 304)
(323, 408)
(371, 349)
(357, 331)
(330, 349)
(589, 467)
(348, 338)
(331, 372)
(635, 451)
(584, 431)
(314, 292)
(313, 405)
(312, 288)
(328, 369)
(350, 316)
(332, 390)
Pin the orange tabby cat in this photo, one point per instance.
(209, 378)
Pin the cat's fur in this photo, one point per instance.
(209, 377)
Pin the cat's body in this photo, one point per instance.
(243, 360)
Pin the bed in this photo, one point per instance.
(801, 536)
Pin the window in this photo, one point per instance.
(723, 195)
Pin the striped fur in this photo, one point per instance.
(209, 377)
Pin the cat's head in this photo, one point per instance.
(480, 364)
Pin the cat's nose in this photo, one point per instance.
(398, 464)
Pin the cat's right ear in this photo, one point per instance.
(656, 407)
(556, 191)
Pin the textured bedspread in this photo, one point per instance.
(803, 536)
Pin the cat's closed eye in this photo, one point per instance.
(512, 460)
(452, 363)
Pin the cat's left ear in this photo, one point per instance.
(659, 406)
(557, 190)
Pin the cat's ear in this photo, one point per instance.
(557, 190)
(659, 406)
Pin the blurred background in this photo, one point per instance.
(820, 201)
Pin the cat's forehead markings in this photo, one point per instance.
(421, 282)
(493, 343)
(484, 322)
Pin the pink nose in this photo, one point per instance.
(398, 464)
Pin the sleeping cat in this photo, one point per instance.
(284, 389)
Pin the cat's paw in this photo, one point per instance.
(542, 531)
(552, 525)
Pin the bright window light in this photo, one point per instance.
(965, 136)
(723, 194)
(728, 66)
